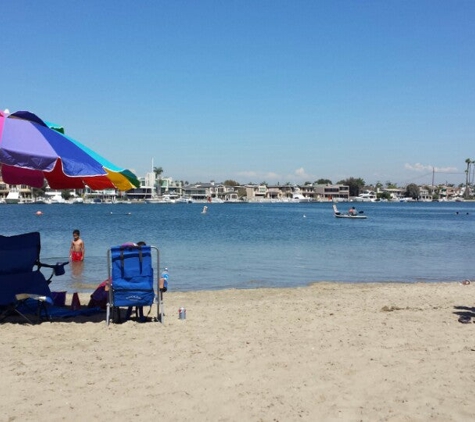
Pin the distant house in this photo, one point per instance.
(424, 195)
(210, 191)
(146, 190)
(450, 192)
(307, 191)
(256, 192)
(274, 192)
(332, 192)
(174, 188)
(395, 194)
(24, 191)
(304, 193)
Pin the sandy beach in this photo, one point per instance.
(328, 352)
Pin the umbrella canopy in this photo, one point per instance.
(32, 150)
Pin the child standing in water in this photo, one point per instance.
(77, 250)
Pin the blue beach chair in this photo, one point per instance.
(132, 282)
(23, 287)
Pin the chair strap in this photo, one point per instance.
(130, 247)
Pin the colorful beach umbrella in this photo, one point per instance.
(32, 150)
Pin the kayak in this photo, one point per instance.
(350, 216)
(338, 214)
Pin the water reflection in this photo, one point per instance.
(77, 269)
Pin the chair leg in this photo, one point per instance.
(160, 307)
(116, 318)
(14, 310)
(43, 311)
(23, 316)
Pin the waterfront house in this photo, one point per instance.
(23, 193)
(256, 192)
(208, 191)
(331, 192)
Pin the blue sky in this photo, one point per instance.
(275, 91)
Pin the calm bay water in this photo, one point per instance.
(260, 245)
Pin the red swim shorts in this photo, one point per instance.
(76, 256)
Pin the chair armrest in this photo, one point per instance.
(58, 268)
(24, 296)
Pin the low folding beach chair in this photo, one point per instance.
(132, 282)
(23, 287)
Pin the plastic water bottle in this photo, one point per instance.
(165, 277)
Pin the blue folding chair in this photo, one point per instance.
(132, 282)
(23, 287)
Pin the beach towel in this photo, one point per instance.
(100, 296)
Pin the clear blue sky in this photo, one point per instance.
(275, 91)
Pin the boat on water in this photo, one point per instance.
(165, 199)
(153, 200)
(366, 196)
(56, 199)
(338, 214)
(13, 197)
(298, 197)
(184, 200)
(209, 200)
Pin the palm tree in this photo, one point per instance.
(158, 172)
(467, 177)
